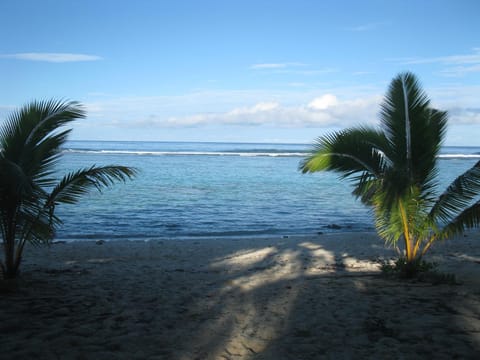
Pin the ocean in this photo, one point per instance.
(197, 190)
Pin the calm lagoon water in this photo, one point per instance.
(187, 190)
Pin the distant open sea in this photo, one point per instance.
(195, 190)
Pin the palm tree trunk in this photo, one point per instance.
(416, 249)
(406, 233)
(10, 269)
(428, 244)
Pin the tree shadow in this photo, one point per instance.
(292, 298)
(311, 299)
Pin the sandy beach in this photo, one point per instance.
(279, 298)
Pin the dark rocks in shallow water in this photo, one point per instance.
(100, 242)
(333, 227)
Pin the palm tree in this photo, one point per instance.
(394, 169)
(31, 140)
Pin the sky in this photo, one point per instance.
(238, 70)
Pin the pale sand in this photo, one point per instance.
(282, 298)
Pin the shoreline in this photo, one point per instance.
(331, 229)
(226, 237)
(299, 297)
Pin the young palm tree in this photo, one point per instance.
(30, 146)
(393, 169)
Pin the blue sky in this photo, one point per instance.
(247, 71)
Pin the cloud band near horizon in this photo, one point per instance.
(52, 57)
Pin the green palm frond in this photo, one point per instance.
(35, 121)
(427, 138)
(44, 157)
(30, 144)
(13, 181)
(400, 109)
(394, 170)
(459, 195)
(388, 224)
(357, 154)
(76, 184)
(31, 138)
(415, 133)
(36, 224)
(348, 152)
(365, 187)
(467, 219)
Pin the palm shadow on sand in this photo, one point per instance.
(269, 299)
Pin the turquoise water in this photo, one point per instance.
(189, 190)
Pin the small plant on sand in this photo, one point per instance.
(394, 170)
(405, 269)
(419, 270)
(30, 147)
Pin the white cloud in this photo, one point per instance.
(334, 107)
(260, 107)
(451, 59)
(308, 72)
(464, 116)
(292, 68)
(453, 95)
(323, 102)
(52, 57)
(366, 27)
(461, 102)
(297, 84)
(360, 73)
(324, 111)
(461, 70)
(270, 66)
(321, 112)
(456, 65)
